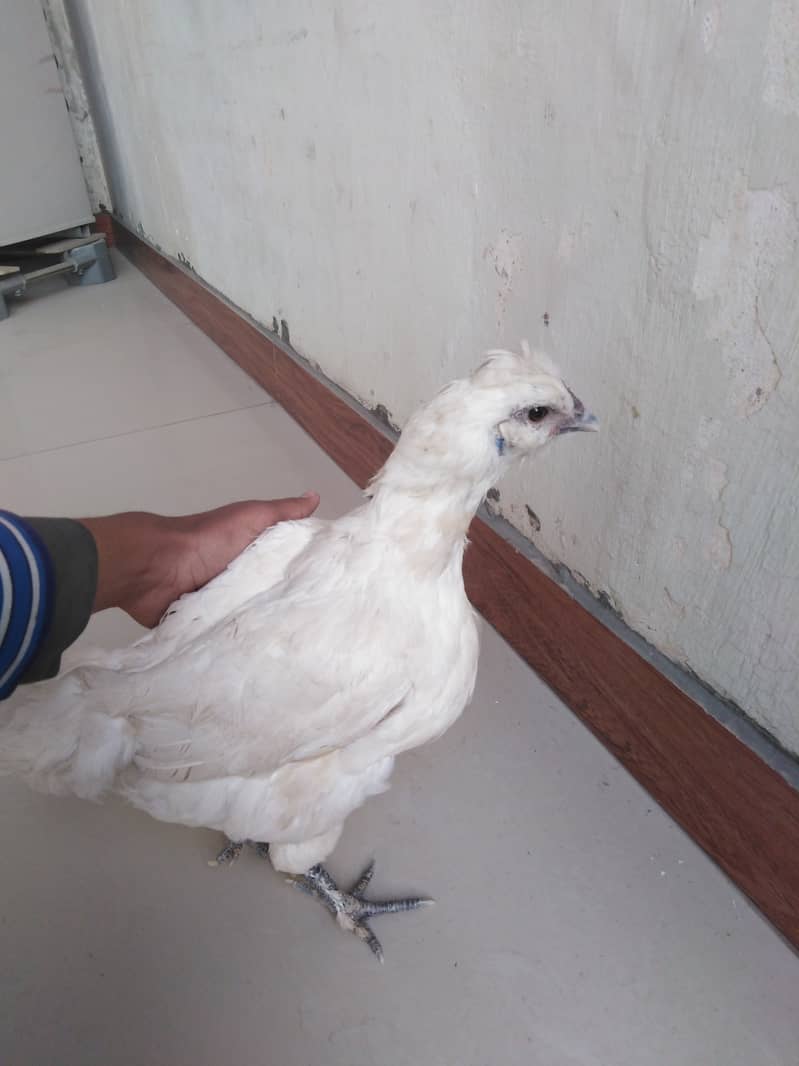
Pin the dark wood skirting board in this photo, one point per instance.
(739, 810)
(104, 223)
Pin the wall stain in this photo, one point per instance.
(535, 521)
(504, 254)
(381, 412)
(605, 598)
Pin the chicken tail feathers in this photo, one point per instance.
(60, 740)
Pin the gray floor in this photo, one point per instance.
(576, 923)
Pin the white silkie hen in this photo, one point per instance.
(271, 703)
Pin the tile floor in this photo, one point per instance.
(576, 923)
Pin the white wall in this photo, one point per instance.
(409, 183)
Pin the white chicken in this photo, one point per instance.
(271, 703)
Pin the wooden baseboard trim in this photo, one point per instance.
(104, 223)
(739, 810)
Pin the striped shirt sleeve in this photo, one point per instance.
(48, 580)
(26, 594)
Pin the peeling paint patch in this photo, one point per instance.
(781, 78)
(735, 265)
(719, 548)
(708, 431)
(716, 478)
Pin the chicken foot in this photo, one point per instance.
(350, 909)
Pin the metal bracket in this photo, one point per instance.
(84, 261)
(10, 285)
(92, 263)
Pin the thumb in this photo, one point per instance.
(293, 508)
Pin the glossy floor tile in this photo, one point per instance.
(126, 363)
(575, 923)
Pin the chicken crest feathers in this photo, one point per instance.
(501, 367)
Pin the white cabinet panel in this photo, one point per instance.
(41, 183)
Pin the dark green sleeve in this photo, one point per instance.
(73, 559)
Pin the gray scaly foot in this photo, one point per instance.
(231, 851)
(350, 909)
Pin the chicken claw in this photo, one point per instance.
(350, 909)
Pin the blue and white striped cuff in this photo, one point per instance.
(25, 598)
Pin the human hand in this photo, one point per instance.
(147, 561)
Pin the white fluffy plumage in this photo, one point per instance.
(271, 703)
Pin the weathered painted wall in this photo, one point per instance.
(407, 184)
(76, 96)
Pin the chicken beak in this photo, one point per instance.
(581, 420)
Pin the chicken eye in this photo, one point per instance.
(537, 414)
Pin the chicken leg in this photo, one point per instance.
(231, 851)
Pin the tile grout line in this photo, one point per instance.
(134, 432)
